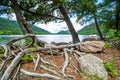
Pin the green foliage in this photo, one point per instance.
(27, 41)
(107, 45)
(118, 35)
(35, 45)
(1, 52)
(26, 58)
(110, 67)
(30, 49)
(113, 34)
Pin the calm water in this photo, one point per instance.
(46, 38)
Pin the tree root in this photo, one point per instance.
(39, 75)
(49, 70)
(12, 69)
(37, 61)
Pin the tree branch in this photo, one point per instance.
(41, 15)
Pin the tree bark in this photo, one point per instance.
(97, 27)
(25, 27)
(117, 15)
(74, 34)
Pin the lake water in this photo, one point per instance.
(46, 38)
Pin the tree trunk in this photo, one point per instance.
(25, 27)
(117, 15)
(97, 27)
(69, 24)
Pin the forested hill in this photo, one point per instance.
(12, 27)
(89, 29)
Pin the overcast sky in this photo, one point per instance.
(52, 26)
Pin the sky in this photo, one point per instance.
(51, 26)
(56, 27)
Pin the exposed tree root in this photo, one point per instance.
(12, 66)
(11, 70)
(51, 71)
(39, 75)
(65, 62)
(48, 63)
(37, 61)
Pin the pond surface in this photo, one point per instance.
(47, 38)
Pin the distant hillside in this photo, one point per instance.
(64, 32)
(12, 27)
(89, 29)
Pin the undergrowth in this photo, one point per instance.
(110, 67)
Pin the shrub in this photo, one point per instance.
(110, 68)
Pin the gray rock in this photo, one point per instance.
(92, 46)
(93, 65)
(89, 39)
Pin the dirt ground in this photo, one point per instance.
(107, 55)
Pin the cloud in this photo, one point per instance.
(56, 27)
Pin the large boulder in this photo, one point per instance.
(92, 65)
(89, 39)
(92, 46)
